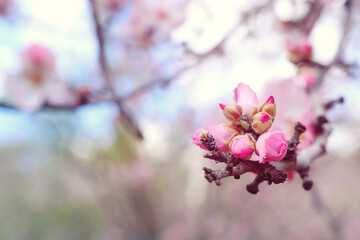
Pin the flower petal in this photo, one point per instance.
(246, 98)
(23, 93)
(57, 92)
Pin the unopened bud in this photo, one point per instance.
(242, 146)
(204, 135)
(231, 111)
(261, 122)
(298, 52)
(221, 135)
(269, 107)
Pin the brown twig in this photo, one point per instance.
(160, 82)
(235, 167)
(307, 23)
(100, 36)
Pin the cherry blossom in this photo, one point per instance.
(37, 83)
(248, 127)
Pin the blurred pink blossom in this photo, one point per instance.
(37, 82)
(293, 105)
(30, 96)
(299, 51)
(153, 21)
(38, 59)
(306, 76)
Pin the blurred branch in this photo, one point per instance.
(244, 17)
(159, 82)
(216, 50)
(307, 23)
(341, 48)
(332, 222)
(322, 126)
(100, 36)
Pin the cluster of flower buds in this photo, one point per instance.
(248, 130)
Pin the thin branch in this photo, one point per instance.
(323, 128)
(243, 18)
(235, 167)
(341, 47)
(216, 50)
(332, 222)
(100, 36)
(159, 82)
(307, 23)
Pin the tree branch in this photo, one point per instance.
(235, 167)
(100, 36)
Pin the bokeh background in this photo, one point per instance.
(83, 174)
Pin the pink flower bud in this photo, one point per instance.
(38, 58)
(305, 47)
(307, 79)
(270, 100)
(246, 98)
(231, 111)
(269, 107)
(242, 146)
(261, 122)
(222, 134)
(271, 146)
(162, 14)
(300, 51)
(306, 76)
